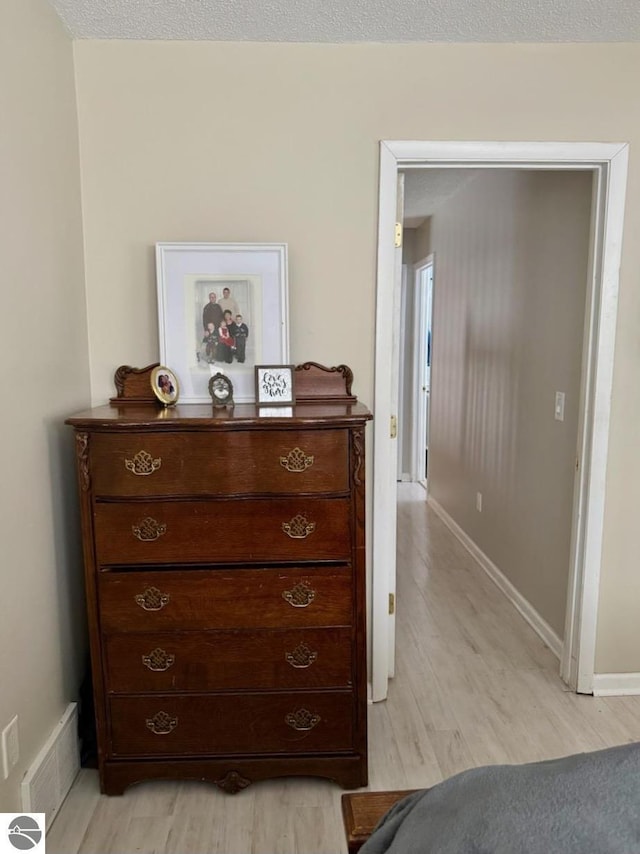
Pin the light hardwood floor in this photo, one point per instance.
(474, 685)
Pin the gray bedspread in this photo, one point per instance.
(589, 803)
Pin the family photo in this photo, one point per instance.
(224, 331)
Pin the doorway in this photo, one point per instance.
(609, 165)
(421, 386)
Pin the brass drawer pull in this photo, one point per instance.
(162, 723)
(300, 596)
(303, 720)
(158, 660)
(143, 464)
(152, 599)
(296, 461)
(301, 656)
(299, 527)
(148, 530)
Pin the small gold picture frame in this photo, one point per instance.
(165, 386)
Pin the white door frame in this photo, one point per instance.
(403, 369)
(419, 424)
(609, 163)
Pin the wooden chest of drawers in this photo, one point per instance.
(225, 566)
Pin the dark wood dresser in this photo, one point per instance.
(225, 579)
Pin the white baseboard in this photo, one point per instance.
(537, 623)
(616, 684)
(51, 775)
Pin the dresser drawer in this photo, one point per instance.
(243, 462)
(232, 724)
(227, 661)
(222, 531)
(225, 599)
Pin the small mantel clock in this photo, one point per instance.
(221, 391)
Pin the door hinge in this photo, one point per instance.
(393, 427)
(577, 463)
(398, 235)
(392, 603)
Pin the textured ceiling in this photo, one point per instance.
(426, 189)
(354, 20)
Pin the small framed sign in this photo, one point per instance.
(275, 385)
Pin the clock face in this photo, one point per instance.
(220, 388)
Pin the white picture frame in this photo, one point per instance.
(247, 279)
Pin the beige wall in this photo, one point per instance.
(44, 357)
(408, 244)
(215, 142)
(422, 240)
(507, 334)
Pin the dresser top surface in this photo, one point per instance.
(193, 416)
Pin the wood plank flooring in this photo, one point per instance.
(474, 685)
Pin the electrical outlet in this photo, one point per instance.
(10, 747)
(558, 412)
(479, 502)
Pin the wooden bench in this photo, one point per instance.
(361, 812)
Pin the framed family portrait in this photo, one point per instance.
(222, 308)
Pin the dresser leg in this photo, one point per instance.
(233, 782)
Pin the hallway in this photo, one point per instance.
(474, 685)
(474, 682)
